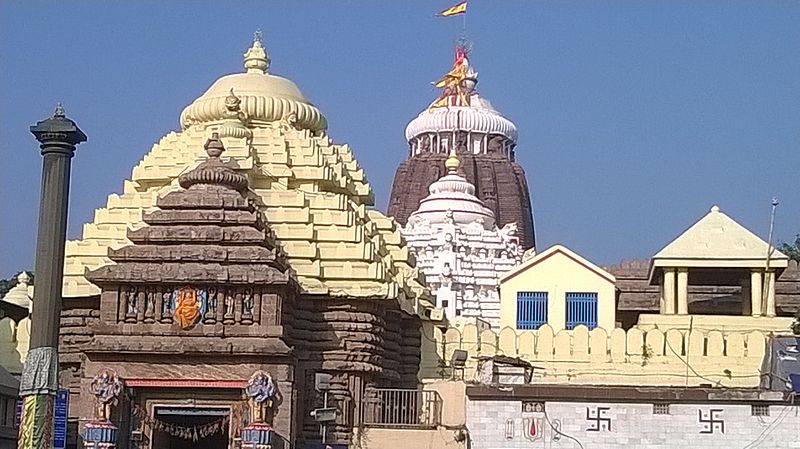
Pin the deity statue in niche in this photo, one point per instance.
(167, 304)
(131, 302)
(262, 397)
(187, 308)
(447, 275)
(106, 388)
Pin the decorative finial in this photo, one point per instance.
(23, 278)
(256, 59)
(213, 146)
(59, 112)
(452, 163)
(257, 36)
(715, 208)
(214, 172)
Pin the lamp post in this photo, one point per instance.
(57, 136)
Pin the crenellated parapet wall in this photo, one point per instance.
(670, 357)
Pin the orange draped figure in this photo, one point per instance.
(187, 308)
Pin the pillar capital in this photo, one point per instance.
(58, 133)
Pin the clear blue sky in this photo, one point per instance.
(634, 117)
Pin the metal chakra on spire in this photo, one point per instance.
(256, 59)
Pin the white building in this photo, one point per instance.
(460, 249)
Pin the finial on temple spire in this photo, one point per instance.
(452, 163)
(256, 59)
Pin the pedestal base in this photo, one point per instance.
(100, 435)
(259, 436)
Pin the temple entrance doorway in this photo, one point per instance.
(191, 428)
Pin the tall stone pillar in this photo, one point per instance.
(58, 136)
(683, 291)
(769, 288)
(756, 292)
(669, 291)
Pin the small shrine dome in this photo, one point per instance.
(452, 199)
(22, 293)
(264, 97)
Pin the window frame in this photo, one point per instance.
(537, 305)
(580, 308)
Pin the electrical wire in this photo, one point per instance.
(769, 429)
(547, 418)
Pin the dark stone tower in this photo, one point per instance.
(460, 120)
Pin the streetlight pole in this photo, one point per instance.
(57, 136)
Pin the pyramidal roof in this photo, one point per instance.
(313, 193)
(553, 251)
(716, 240)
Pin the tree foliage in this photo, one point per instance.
(791, 249)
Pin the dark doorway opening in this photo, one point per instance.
(189, 417)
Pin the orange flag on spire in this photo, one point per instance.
(460, 8)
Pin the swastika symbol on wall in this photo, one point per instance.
(598, 420)
(712, 421)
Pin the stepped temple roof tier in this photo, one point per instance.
(461, 120)
(313, 193)
(209, 233)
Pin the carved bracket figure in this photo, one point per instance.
(106, 388)
(262, 397)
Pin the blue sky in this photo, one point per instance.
(634, 116)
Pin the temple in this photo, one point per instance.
(243, 292)
(460, 249)
(461, 120)
(243, 256)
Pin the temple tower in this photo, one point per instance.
(461, 250)
(485, 141)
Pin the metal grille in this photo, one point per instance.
(531, 309)
(759, 410)
(661, 409)
(395, 407)
(581, 309)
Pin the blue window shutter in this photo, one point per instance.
(531, 309)
(581, 309)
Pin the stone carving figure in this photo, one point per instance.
(448, 217)
(447, 274)
(288, 121)
(233, 109)
(262, 396)
(106, 388)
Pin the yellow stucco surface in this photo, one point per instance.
(558, 271)
(656, 357)
(313, 192)
(14, 341)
